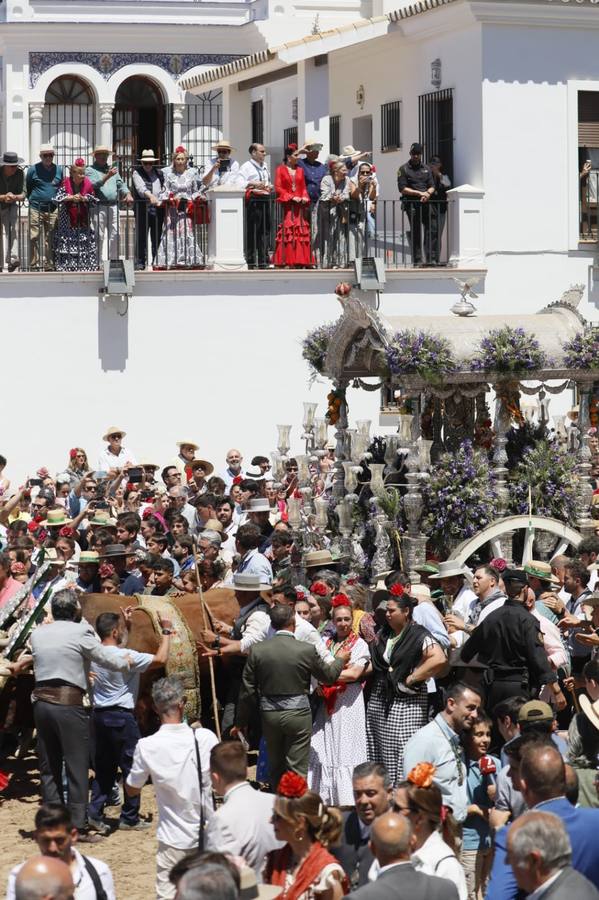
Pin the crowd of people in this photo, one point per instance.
(431, 739)
(324, 214)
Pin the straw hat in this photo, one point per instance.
(249, 889)
(101, 148)
(313, 144)
(88, 558)
(317, 558)
(350, 151)
(188, 444)
(47, 148)
(148, 156)
(52, 557)
(114, 429)
(539, 569)
(449, 569)
(420, 592)
(56, 518)
(243, 582)
(591, 710)
(223, 145)
(102, 519)
(202, 464)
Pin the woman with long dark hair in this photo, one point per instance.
(404, 656)
(293, 242)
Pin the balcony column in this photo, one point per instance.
(226, 229)
(36, 114)
(178, 111)
(466, 227)
(106, 110)
(313, 104)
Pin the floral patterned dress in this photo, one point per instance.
(180, 247)
(76, 245)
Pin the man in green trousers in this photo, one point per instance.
(277, 676)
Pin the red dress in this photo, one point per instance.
(293, 247)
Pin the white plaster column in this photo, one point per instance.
(106, 110)
(178, 111)
(313, 104)
(36, 114)
(466, 226)
(237, 118)
(226, 229)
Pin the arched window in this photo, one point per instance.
(69, 120)
(138, 122)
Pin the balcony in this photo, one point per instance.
(74, 236)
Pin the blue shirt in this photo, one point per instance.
(132, 584)
(314, 172)
(42, 185)
(119, 688)
(582, 826)
(477, 831)
(437, 743)
(425, 614)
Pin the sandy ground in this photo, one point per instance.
(130, 854)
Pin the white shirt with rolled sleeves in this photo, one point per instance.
(169, 758)
(108, 460)
(84, 886)
(252, 171)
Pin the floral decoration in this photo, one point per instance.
(397, 590)
(72, 453)
(545, 475)
(499, 564)
(422, 775)
(67, 532)
(460, 499)
(292, 785)
(340, 600)
(319, 589)
(335, 399)
(106, 570)
(315, 347)
(508, 350)
(582, 352)
(420, 353)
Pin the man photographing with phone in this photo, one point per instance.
(223, 169)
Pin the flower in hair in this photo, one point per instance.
(106, 570)
(148, 511)
(73, 453)
(319, 588)
(43, 472)
(79, 161)
(67, 531)
(292, 785)
(498, 564)
(340, 600)
(17, 568)
(300, 595)
(397, 590)
(422, 775)
(292, 146)
(180, 149)
(238, 479)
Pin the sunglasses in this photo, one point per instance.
(116, 437)
(47, 156)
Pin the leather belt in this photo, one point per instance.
(61, 695)
(280, 702)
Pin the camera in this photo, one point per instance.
(224, 165)
(135, 476)
(35, 482)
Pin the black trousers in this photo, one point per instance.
(419, 219)
(63, 736)
(147, 218)
(115, 738)
(257, 233)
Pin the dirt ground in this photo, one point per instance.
(130, 854)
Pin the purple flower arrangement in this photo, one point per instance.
(315, 346)
(582, 352)
(550, 472)
(508, 351)
(460, 499)
(420, 353)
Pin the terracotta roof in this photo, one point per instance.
(415, 9)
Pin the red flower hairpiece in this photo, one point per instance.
(319, 588)
(17, 568)
(43, 472)
(498, 564)
(292, 146)
(292, 785)
(422, 775)
(33, 525)
(180, 149)
(106, 570)
(67, 531)
(397, 590)
(148, 511)
(238, 479)
(79, 161)
(300, 595)
(73, 453)
(340, 600)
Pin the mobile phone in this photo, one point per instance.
(35, 482)
(224, 165)
(135, 475)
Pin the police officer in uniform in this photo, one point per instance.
(510, 643)
(416, 186)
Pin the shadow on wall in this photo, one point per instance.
(113, 333)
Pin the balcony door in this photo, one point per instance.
(138, 124)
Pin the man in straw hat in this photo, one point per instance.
(453, 579)
(223, 169)
(148, 182)
(12, 192)
(185, 457)
(109, 188)
(42, 183)
(115, 456)
(314, 171)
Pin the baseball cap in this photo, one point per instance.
(535, 711)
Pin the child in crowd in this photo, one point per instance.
(477, 848)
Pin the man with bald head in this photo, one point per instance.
(541, 778)
(391, 842)
(233, 470)
(44, 878)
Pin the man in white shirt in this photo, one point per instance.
(183, 790)
(258, 206)
(242, 826)
(223, 169)
(488, 598)
(304, 631)
(56, 838)
(115, 456)
(233, 469)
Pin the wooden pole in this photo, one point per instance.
(575, 699)
(210, 658)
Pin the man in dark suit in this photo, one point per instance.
(540, 853)
(372, 796)
(392, 843)
(537, 770)
(277, 674)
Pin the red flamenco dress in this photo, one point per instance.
(293, 245)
